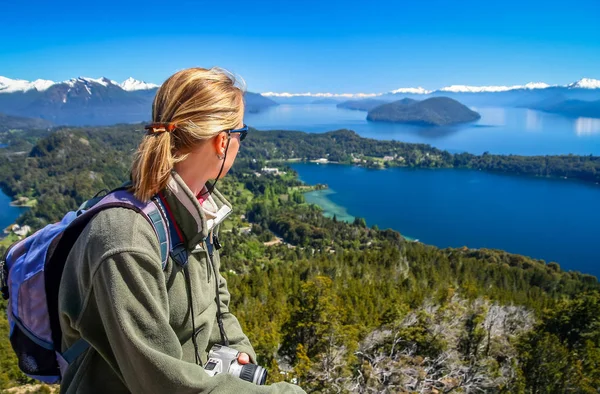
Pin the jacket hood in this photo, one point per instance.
(194, 220)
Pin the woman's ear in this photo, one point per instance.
(220, 143)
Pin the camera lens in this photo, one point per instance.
(253, 373)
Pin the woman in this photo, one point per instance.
(150, 329)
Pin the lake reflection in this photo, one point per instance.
(587, 126)
(533, 120)
(492, 116)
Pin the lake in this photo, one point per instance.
(8, 213)
(500, 130)
(550, 219)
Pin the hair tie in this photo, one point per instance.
(157, 128)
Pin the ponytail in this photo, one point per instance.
(152, 165)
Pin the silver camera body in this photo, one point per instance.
(223, 359)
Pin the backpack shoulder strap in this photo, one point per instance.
(150, 210)
(177, 249)
(161, 228)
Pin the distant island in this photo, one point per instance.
(435, 111)
(362, 105)
(256, 102)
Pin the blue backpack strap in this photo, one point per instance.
(161, 227)
(177, 249)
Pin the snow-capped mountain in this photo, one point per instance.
(585, 83)
(88, 101)
(78, 101)
(492, 89)
(8, 85)
(418, 90)
(131, 84)
(100, 81)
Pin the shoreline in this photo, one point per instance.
(17, 205)
(330, 208)
(516, 174)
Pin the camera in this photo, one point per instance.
(223, 359)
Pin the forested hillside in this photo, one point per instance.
(340, 307)
(347, 147)
(8, 123)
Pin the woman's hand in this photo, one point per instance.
(243, 358)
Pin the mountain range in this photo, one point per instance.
(102, 101)
(89, 101)
(584, 83)
(577, 99)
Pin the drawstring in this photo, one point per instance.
(224, 339)
(188, 286)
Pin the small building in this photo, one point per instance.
(22, 231)
(274, 171)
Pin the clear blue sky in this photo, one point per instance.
(298, 46)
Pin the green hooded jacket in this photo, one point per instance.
(136, 317)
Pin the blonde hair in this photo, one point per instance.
(201, 103)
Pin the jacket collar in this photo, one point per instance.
(191, 218)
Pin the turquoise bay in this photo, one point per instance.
(549, 219)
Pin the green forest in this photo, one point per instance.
(341, 307)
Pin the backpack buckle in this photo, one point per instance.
(179, 255)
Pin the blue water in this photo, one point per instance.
(550, 219)
(8, 214)
(500, 130)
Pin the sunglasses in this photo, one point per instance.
(243, 132)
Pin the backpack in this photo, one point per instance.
(30, 273)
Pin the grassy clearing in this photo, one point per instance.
(32, 202)
(9, 240)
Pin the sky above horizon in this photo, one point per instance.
(309, 46)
